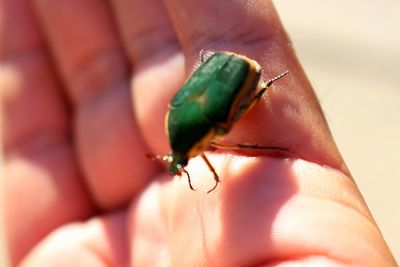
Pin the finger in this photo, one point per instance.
(133, 238)
(290, 118)
(289, 115)
(99, 242)
(86, 46)
(41, 184)
(149, 39)
(146, 29)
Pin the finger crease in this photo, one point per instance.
(98, 73)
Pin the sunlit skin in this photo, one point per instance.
(84, 88)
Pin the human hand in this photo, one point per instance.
(84, 90)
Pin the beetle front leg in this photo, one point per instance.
(216, 178)
(190, 182)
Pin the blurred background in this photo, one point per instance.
(350, 50)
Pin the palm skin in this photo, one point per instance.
(85, 87)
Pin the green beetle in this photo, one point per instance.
(209, 104)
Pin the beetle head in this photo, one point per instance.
(176, 163)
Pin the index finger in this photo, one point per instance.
(290, 115)
(246, 216)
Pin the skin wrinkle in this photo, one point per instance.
(297, 260)
(91, 76)
(358, 219)
(347, 205)
(36, 145)
(245, 37)
(22, 54)
(99, 254)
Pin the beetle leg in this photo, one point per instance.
(246, 146)
(181, 169)
(216, 178)
(202, 55)
(190, 182)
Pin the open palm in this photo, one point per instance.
(84, 90)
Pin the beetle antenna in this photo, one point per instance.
(271, 81)
(267, 84)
